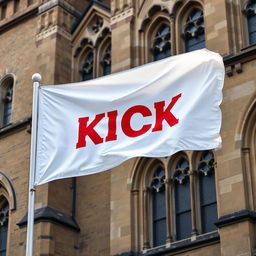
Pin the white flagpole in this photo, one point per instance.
(31, 198)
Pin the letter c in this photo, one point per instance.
(126, 121)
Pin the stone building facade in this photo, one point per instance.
(192, 203)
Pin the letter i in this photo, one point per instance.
(112, 116)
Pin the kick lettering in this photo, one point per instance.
(163, 113)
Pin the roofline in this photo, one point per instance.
(91, 4)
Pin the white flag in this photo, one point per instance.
(154, 110)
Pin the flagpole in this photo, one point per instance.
(31, 193)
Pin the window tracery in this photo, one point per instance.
(106, 61)
(194, 31)
(161, 46)
(87, 67)
(6, 92)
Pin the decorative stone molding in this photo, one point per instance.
(7, 185)
(120, 6)
(122, 16)
(236, 217)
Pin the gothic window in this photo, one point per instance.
(250, 12)
(208, 204)
(87, 66)
(182, 200)
(194, 35)
(106, 61)
(6, 92)
(158, 207)
(161, 46)
(178, 202)
(4, 214)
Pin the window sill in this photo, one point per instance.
(14, 126)
(186, 244)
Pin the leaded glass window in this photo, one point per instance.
(161, 47)
(6, 99)
(194, 31)
(251, 21)
(106, 61)
(87, 67)
(208, 204)
(4, 215)
(158, 207)
(182, 200)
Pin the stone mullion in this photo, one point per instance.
(95, 63)
(173, 36)
(135, 212)
(248, 178)
(192, 178)
(168, 203)
(145, 219)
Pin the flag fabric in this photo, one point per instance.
(154, 110)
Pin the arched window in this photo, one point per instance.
(208, 204)
(6, 92)
(161, 46)
(175, 203)
(87, 66)
(182, 200)
(106, 61)
(158, 207)
(194, 35)
(250, 12)
(4, 215)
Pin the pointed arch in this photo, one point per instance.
(249, 154)
(7, 190)
(186, 17)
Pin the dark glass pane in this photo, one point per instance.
(183, 225)
(183, 210)
(207, 189)
(252, 28)
(158, 207)
(159, 232)
(158, 204)
(159, 217)
(182, 197)
(209, 217)
(4, 213)
(7, 113)
(7, 104)
(3, 238)
(196, 43)
(208, 202)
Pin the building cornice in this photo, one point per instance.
(236, 217)
(234, 62)
(48, 214)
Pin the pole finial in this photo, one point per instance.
(36, 77)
